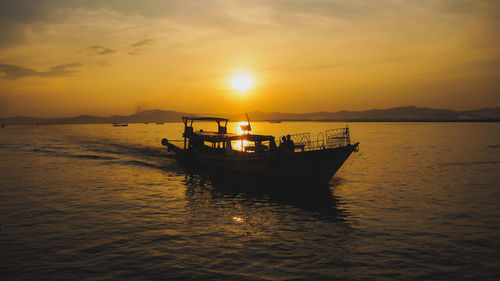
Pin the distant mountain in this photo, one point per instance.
(141, 117)
(483, 113)
(408, 113)
(157, 116)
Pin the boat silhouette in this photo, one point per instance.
(254, 157)
(120, 124)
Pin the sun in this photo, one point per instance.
(241, 82)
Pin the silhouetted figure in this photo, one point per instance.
(287, 146)
(290, 144)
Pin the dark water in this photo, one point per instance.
(420, 201)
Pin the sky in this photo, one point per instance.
(72, 57)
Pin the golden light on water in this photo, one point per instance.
(239, 130)
(238, 219)
(240, 144)
(241, 82)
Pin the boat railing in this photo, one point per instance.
(329, 139)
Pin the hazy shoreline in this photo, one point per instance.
(271, 121)
(398, 114)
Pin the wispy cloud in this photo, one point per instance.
(14, 72)
(103, 63)
(100, 50)
(137, 47)
(141, 43)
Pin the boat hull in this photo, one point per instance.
(316, 166)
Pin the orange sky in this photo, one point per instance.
(65, 58)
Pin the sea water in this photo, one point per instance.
(419, 201)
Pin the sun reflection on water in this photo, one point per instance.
(240, 144)
(239, 130)
(238, 219)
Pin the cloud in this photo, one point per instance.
(100, 50)
(141, 43)
(103, 63)
(23, 19)
(14, 72)
(136, 47)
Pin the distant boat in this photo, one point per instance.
(275, 121)
(257, 157)
(159, 123)
(120, 124)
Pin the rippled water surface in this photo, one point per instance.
(419, 201)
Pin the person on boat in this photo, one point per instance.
(287, 146)
(281, 149)
(290, 144)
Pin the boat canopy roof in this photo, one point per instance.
(213, 136)
(217, 119)
(251, 137)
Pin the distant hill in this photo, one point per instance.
(141, 117)
(408, 113)
(155, 115)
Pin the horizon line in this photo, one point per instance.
(253, 111)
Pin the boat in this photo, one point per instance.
(120, 124)
(275, 121)
(255, 157)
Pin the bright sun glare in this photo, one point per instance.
(241, 82)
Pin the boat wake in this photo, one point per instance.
(135, 163)
(472, 163)
(110, 152)
(66, 154)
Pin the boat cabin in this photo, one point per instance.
(223, 143)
